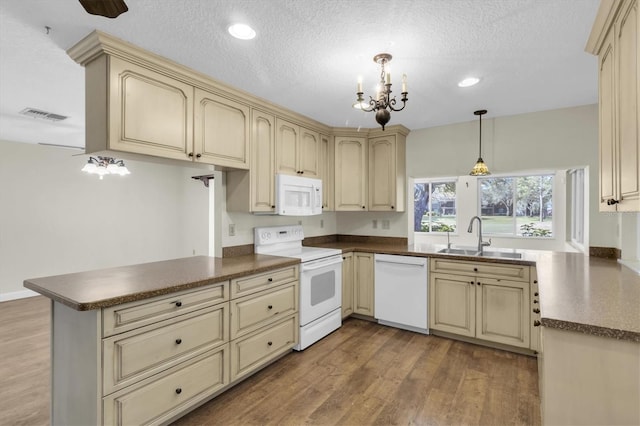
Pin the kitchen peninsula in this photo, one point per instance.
(589, 317)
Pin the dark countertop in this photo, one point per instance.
(84, 291)
(577, 293)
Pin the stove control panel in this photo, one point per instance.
(277, 234)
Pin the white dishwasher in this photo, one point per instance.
(401, 284)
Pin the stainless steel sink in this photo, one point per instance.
(473, 252)
(503, 254)
(465, 252)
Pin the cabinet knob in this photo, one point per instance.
(270, 307)
(535, 301)
(535, 281)
(270, 279)
(190, 154)
(273, 207)
(536, 311)
(479, 283)
(536, 323)
(611, 202)
(391, 207)
(535, 294)
(179, 391)
(198, 155)
(178, 304)
(475, 269)
(178, 341)
(363, 207)
(269, 343)
(301, 172)
(471, 282)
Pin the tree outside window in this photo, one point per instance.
(517, 206)
(435, 206)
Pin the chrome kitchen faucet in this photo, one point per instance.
(481, 244)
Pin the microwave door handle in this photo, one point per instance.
(321, 265)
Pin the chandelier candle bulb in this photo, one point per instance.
(404, 83)
(388, 78)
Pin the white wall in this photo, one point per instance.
(55, 219)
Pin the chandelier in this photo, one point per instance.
(383, 103)
(480, 168)
(105, 166)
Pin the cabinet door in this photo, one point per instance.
(351, 174)
(382, 173)
(607, 126)
(263, 197)
(452, 304)
(287, 135)
(347, 284)
(363, 297)
(327, 171)
(502, 309)
(149, 113)
(309, 151)
(627, 46)
(221, 131)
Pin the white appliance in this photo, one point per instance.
(401, 285)
(298, 196)
(320, 295)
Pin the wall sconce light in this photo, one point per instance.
(105, 166)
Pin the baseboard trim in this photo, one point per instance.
(5, 297)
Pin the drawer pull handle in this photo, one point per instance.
(179, 391)
(178, 341)
(270, 306)
(536, 311)
(270, 280)
(269, 343)
(536, 323)
(178, 304)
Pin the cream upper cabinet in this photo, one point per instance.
(297, 150)
(363, 284)
(615, 39)
(146, 112)
(327, 171)
(221, 131)
(387, 173)
(475, 300)
(347, 284)
(262, 173)
(350, 174)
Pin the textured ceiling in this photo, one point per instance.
(308, 55)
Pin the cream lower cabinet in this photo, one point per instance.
(151, 361)
(363, 284)
(347, 284)
(485, 301)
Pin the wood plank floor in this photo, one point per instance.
(361, 374)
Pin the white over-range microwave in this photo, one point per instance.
(298, 196)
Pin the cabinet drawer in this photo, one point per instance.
(138, 354)
(257, 310)
(254, 350)
(481, 269)
(158, 400)
(254, 283)
(128, 316)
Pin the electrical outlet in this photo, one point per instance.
(321, 223)
(375, 224)
(232, 229)
(385, 224)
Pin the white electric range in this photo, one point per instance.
(320, 294)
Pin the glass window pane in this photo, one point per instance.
(443, 207)
(496, 205)
(534, 208)
(420, 207)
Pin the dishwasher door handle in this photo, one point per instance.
(422, 264)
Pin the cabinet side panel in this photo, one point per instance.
(75, 366)
(607, 128)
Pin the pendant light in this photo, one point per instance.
(480, 169)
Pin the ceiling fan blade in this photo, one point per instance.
(106, 8)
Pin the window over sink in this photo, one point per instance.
(435, 206)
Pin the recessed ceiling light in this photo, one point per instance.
(469, 81)
(242, 31)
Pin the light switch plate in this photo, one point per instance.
(232, 229)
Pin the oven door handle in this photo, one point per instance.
(315, 266)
